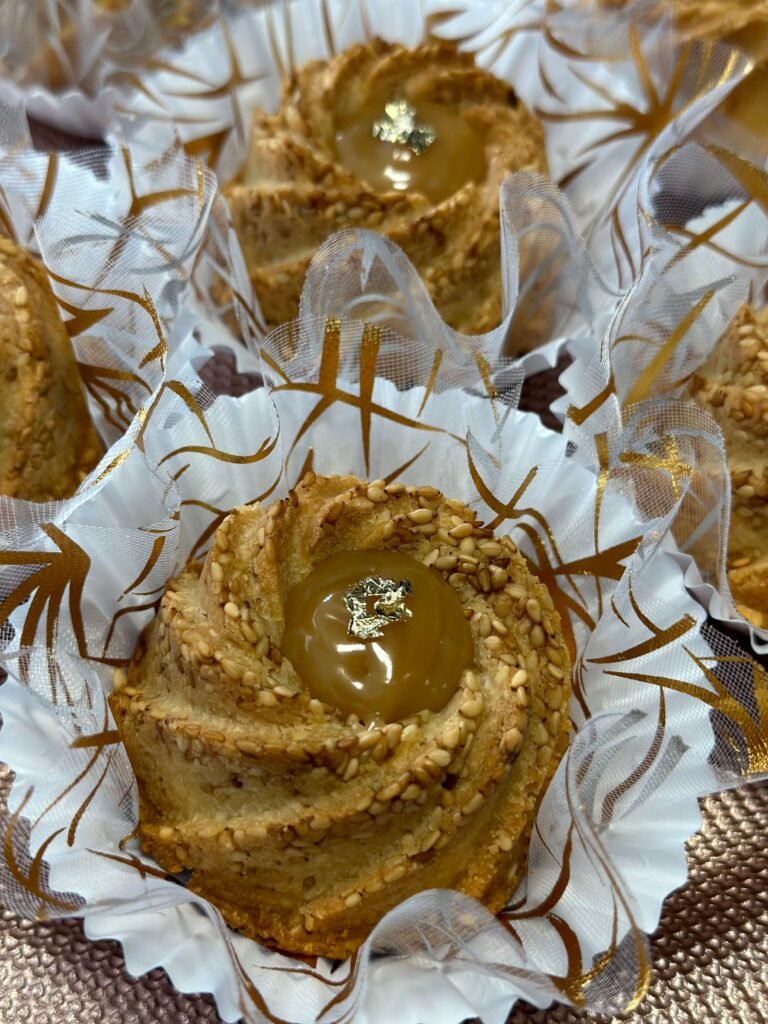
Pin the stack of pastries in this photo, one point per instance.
(361, 694)
(733, 386)
(413, 143)
(48, 443)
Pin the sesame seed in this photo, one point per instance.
(461, 531)
(334, 511)
(119, 679)
(451, 737)
(440, 757)
(395, 873)
(472, 805)
(512, 739)
(430, 840)
(421, 515)
(520, 678)
(504, 839)
(231, 669)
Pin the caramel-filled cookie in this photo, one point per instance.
(413, 144)
(360, 695)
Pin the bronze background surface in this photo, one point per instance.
(709, 954)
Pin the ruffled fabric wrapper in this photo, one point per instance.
(730, 239)
(665, 707)
(613, 95)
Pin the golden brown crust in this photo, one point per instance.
(733, 386)
(295, 193)
(47, 440)
(305, 825)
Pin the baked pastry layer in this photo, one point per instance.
(303, 824)
(48, 443)
(295, 191)
(733, 386)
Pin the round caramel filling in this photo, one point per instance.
(423, 641)
(454, 156)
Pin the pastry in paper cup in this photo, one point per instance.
(73, 47)
(743, 26)
(733, 384)
(121, 893)
(48, 443)
(299, 194)
(712, 358)
(313, 767)
(411, 142)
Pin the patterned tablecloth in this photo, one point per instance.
(710, 953)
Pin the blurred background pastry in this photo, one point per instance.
(361, 694)
(733, 386)
(740, 23)
(48, 443)
(412, 143)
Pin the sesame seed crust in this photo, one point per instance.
(305, 825)
(48, 443)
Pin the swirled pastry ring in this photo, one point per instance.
(411, 143)
(305, 821)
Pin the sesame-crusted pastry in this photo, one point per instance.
(733, 386)
(308, 792)
(413, 143)
(48, 443)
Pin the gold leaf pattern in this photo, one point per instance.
(327, 387)
(59, 571)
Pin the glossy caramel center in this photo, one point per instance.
(423, 643)
(454, 157)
